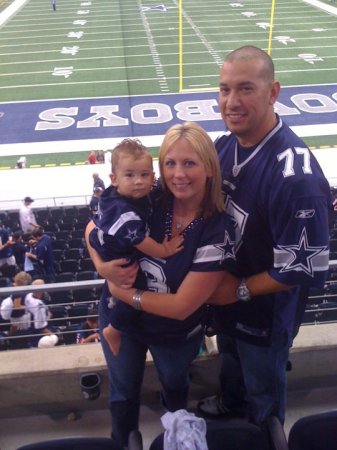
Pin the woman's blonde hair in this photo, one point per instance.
(203, 146)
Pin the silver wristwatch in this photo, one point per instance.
(242, 293)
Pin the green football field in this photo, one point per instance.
(130, 47)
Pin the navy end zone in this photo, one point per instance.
(309, 110)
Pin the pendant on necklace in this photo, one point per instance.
(179, 225)
(236, 170)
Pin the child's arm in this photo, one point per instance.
(167, 248)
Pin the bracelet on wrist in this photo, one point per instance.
(136, 301)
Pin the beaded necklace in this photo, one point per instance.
(169, 222)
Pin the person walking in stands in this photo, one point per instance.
(122, 221)
(98, 182)
(53, 4)
(280, 199)
(27, 218)
(188, 203)
(43, 254)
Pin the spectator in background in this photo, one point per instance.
(95, 200)
(19, 249)
(100, 157)
(6, 243)
(38, 310)
(88, 331)
(92, 157)
(43, 255)
(21, 162)
(13, 308)
(53, 4)
(98, 182)
(27, 218)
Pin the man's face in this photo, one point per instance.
(246, 100)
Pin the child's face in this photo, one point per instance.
(133, 178)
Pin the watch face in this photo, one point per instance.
(243, 293)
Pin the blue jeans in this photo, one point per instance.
(126, 371)
(263, 371)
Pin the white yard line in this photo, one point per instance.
(7, 13)
(328, 8)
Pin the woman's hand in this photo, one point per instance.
(121, 292)
(116, 272)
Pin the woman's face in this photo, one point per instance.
(184, 172)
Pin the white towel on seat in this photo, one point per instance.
(184, 431)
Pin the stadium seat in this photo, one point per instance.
(78, 233)
(9, 271)
(76, 242)
(73, 253)
(71, 212)
(6, 282)
(238, 434)
(60, 244)
(63, 234)
(58, 254)
(86, 294)
(86, 275)
(74, 443)
(61, 297)
(86, 264)
(314, 432)
(78, 313)
(56, 213)
(64, 277)
(59, 316)
(69, 265)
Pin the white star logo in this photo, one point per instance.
(131, 235)
(301, 255)
(226, 247)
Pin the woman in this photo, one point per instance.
(190, 203)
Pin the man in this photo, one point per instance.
(98, 182)
(7, 257)
(35, 305)
(280, 199)
(43, 254)
(26, 215)
(95, 200)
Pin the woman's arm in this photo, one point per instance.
(115, 270)
(193, 292)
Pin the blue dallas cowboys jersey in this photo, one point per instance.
(208, 246)
(121, 223)
(279, 198)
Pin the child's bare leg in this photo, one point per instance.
(113, 338)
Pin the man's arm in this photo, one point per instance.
(259, 284)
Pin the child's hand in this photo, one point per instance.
(174, 245)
